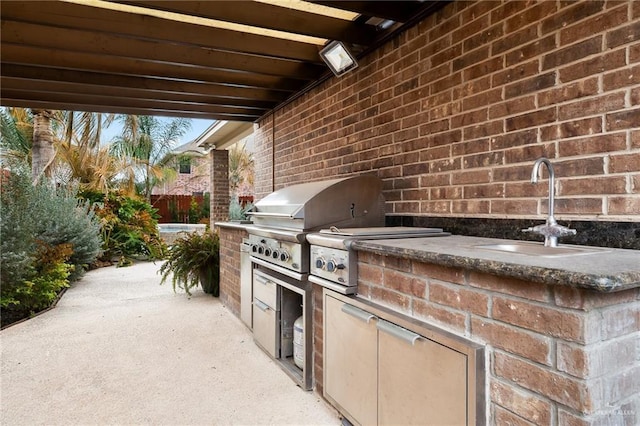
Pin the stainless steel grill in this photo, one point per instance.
(347, 202)
(280, 256)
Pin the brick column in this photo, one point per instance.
(219, 186)
(230, 291)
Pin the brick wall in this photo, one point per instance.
(188, 183)
(555, 355)
(453, 112)
(263, 157)
(219, 185)
(230, 240)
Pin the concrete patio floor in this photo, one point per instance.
(121, 349)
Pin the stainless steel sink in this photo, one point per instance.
(536, 249)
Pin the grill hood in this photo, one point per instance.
(347, 202)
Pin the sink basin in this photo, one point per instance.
(536, 249)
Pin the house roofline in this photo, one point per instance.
(223, 134)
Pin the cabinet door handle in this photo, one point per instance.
(261, 280)
(399, 332)
(357, 313)
(262, 306)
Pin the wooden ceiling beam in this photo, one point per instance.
(149, 87)
(123, 47)
(42, 86)
(82, 17)
(117, 102)
(269, 16)
(232, 83)
(110, 109)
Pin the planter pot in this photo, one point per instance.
(209, 281)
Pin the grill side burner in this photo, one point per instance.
(335, 266)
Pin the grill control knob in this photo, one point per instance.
(275, 254)
(254, 248)
(284, 255)
(320, 263)
(267, 252)
(260, 249)
(332, 265)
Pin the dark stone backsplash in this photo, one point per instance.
(624, 235)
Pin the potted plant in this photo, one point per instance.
(194, 259)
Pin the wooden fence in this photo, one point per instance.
(177, 208)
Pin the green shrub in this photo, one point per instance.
(205, 211)
(129, 226)
(48, 237)
(237, 212)
(52, 275)
(42, 290)
(194, 211)
(73, 222)
(173, 210)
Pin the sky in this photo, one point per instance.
(198, 126)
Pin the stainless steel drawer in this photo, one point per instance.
(265, 327)
(265, 290)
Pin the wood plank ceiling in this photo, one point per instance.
(226, 60)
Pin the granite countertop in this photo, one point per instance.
(607, 270)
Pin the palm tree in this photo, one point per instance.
(145, 140)
(83, 159)
(79, 157)
(83, 128)
(42, 149)
(16, 135)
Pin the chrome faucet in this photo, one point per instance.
(551, 229)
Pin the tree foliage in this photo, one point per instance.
(144, 142)
(241, 166)
(16, 135)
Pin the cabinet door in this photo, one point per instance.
(351, 360)
(420, 382)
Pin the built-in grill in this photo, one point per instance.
(280, 258)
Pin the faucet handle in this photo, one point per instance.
(561, 231)
(554, 230)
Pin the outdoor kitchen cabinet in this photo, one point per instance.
(377, 372)
(351, 360)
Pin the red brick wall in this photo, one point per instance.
(453, 112)
(220, 198)
(263, 157)
(230, 240)
(555, 355)
(186, 184)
